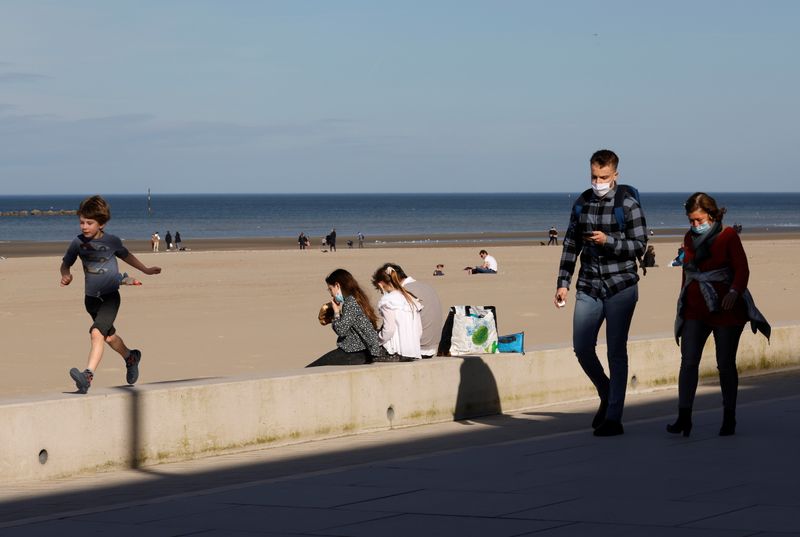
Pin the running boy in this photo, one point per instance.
(98, 251)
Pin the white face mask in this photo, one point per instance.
(601, 189)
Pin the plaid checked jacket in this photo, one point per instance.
(605, 269)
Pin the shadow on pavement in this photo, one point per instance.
(503, 428)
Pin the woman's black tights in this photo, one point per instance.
(693, 339)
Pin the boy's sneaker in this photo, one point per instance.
(132, 365)
(83, 379)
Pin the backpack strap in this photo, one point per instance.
(622, 192)
(577, 209)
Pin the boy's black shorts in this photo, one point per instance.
(103, 310)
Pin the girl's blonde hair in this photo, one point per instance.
(388, 275)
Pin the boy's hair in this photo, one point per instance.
(483, 252)
(605, 157)
(95, 208)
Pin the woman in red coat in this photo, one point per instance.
(713, 299)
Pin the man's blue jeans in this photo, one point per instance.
(617, 312)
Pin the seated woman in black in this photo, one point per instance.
(354, 322)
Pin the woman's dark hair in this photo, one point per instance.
(703, 202)
(350, 287)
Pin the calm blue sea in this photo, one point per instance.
(271, 215)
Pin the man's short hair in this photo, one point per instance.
(397, 268)
(605, 157)
(95, 208)
(483, 252)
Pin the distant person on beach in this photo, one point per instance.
(553, 234)
(678, 261)
(607, 288)
(124, 279)
(439, 270)
(301, 241)
(332, 240)
(168, 241)
(649, 259)
(713, 299)
(431, 313)
(354, 321)
(360, 240)
(178, 241)
(98, 252)
(155, 241)
(399, 309)
(489, 265)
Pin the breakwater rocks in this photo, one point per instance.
(39, 212)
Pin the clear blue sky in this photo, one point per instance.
(421, 96)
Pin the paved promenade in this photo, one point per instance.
(538, 472)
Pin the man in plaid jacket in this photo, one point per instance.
(608, 243)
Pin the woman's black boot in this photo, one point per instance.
(728, 422)
(684, 423)
(600, 416)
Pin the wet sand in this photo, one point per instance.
(10, 249)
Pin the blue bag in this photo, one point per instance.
(512, 343)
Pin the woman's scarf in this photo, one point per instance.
(701, 244)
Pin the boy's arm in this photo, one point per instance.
(67, 261)
(66, 275)
(133, 261)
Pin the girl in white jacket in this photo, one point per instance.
(400, 311)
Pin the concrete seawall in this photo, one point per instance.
(130, 427)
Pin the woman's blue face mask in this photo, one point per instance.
(702, 228)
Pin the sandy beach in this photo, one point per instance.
(247, 308)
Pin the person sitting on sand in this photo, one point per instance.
(678, 261)
(439, 270)
(124, 279)
(489, 265)
(649, 258)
